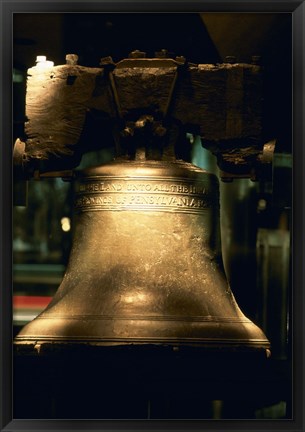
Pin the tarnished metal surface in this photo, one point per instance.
(145, 266)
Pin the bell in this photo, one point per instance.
(145, 266)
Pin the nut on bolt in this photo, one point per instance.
(230, 59)
(159, 130)
(41, 59)
(127, 132)
(104, 61)
(137, 54)
(107, 63)
(164, 53)
(256, 59)
(19, 153)
(43, 63)
(71, 59)
(180, 60)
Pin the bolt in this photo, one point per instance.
(137, 54)
(37, 347)
(43, 63)
(161, 54)
(180, 60)
(71, 59)
(159, 130)
(19, 152)
(127, 132)
(164, 53)
(144, 121)
(230, 59)
(107, 62)
(256, 59)
(40, 59)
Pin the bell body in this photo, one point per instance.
(145, 265)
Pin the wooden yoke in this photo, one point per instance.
(147, 105)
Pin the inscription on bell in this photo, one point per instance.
(142, 195)
(106, 186)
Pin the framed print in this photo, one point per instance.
(152, 201)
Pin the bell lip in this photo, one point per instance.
(227, 332)
(50, 344)
(144, 340)
(132, 168)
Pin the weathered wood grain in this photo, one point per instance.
(57, 100)
(144, 89)
(222, 102)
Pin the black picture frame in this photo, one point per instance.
(8, 8)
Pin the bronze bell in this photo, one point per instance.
(146, 265)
